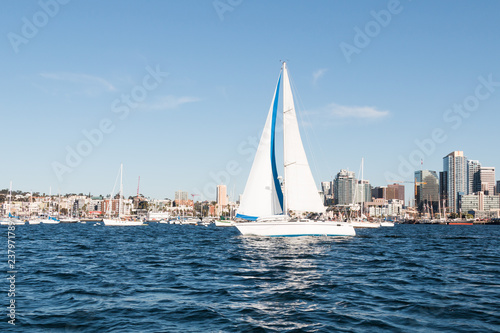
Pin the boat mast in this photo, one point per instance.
(285, 196)
(121, 192)
(10, 198)
(362, 188)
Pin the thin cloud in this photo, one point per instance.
(171, 102)
(362, 112)
(83, 79)
(318, 74)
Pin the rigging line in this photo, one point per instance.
(301, 106)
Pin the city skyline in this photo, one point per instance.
(177, 94)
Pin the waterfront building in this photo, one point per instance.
(487, 177)
(384, 208)
(395, 192)
(344, 187)
(363, 191)
(379, 192)
(443, 187)
(455, 166)
(181, 198)
(427, 195)
(221, 199)
(326, 188)
(473, 176)
(479, 202)
(327, 193)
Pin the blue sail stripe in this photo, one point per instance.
(273, 153)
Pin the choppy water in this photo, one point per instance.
(173, 278)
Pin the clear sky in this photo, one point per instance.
(178, 91)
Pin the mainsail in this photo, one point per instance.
(301, 193)
(262, 195)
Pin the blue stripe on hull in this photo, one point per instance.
(247, 217)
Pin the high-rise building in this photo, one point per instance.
(498, 187)
(443, 188)
(395, 191)
(455, 166)
(344, 187)
(473, 177)
(181, 198)
(487, 176)
(221, 197)
(363, 191)
(326, 188)
(427, 196)
(379, 192)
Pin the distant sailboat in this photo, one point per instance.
(10, 219)
(50, 219)
(263, 201)
(119, 221)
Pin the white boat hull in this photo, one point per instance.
(295, 229)
(224, 223)
(49, 221)
(116, 223)
(387, 224)
(70, 220)
(364, 224)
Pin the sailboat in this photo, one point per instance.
(362, 221)
(31, 219)
(50, 219)
(264, 204)
(11, 220)
(119, 221)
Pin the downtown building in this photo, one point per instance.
(427, 191)
(480, 205)
(454, 180)
(487, 178)
(474, 176)
(344, 188)
(221, 199)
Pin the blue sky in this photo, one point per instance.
(194, 126)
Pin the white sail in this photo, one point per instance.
(262, 195)
(301, 193)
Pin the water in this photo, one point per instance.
(173, 278)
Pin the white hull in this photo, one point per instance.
(12, 222)
(191, 221)
(387, 224)
(116, 223)
(49, 221)
(296, 229)
(365, 224)
(35, 221)
(224, 223)
(70, 220)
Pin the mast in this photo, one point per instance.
(362, 187)
(121, 192)
(10, 197)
